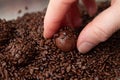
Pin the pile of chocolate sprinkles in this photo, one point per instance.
(26, 55)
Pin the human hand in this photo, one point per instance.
(101, 28)
(65, 11)
(98, 30)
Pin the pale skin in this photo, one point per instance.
(98, 30)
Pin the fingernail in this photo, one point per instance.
(85, 47)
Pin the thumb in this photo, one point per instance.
(100, 29)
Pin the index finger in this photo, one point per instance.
(54, 15)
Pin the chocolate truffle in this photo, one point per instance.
(66, 41)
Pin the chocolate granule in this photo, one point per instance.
(26, 7)
(19, 11)
(26, 55)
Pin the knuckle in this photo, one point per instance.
(100, 34)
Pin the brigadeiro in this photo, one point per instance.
(66, 40)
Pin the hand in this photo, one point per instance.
(98, 30)
(64, 11)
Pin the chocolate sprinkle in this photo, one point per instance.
(26, 55)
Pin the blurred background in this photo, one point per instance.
(11, 9)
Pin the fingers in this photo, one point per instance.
(54, 15)
(100, 29)
(90, 6)
(57, 10)
(73, 18)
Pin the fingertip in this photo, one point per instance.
(84, 47)
(49, 30)
(46, 35)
